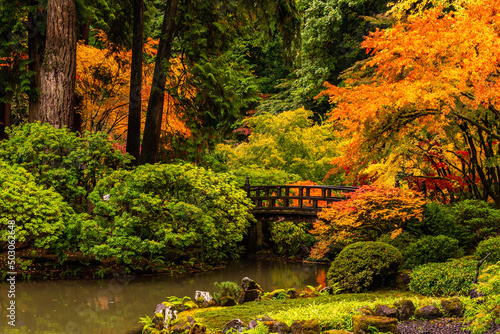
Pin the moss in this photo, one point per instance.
(361, 324)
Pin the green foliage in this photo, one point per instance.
(401, 241)
(482, 314)
(490, 245)
(42, 218)
(437, 220)
(59, 159)
(225, 291)
(431, 249)
(263, 176)
(475, 221)
(288, 236)
(289, 142)
(365, 265)
(261, 328)
(443, 279)
(177, 211)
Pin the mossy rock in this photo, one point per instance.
(306, 327)
(274, 293)
(292, 293)
(361, 323)
(337, 331)
(452, 307)
(404, 309)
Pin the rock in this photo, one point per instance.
(404, 309)
(305, 327)
(235, 324)
(292, 293)
(361, 323)
(198, 329)
(250, 296)
(385, 311)
(337, 331)
(366, 310)
(473, 293)
(428, 312)
(252, 324)
(251, 290)
(278, 327)
(203, 298)
(452, 307)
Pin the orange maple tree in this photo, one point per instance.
(432, 80)
(103, 84)
(368, 213)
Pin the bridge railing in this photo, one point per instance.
(302, 199)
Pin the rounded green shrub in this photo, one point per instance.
(475, 221)
(401, 242)
(38, 217)
(486, 246)
(431, 249)
(288, 236)
(443, 279)
(179, 212)
(364, 265)
(227, 291)
(63, 160)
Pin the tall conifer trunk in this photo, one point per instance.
(58, 70)
(135, 106)
(152, 130)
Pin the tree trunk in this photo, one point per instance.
(4, 119)
(36, 45)
(58, 71)
(135, 106)
(152, 130)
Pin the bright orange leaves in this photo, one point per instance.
(103, 83)
(369, 212)
(434, 76)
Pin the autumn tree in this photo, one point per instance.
(368, 213)
(430, 92)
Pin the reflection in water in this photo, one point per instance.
(114, 306)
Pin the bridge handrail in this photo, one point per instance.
(268, 198)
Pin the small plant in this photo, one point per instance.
(454, 277)
(431, 249)
(227, 290)
(365, 265)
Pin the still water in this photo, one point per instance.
(114, 306)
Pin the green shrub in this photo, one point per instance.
(225, 291)
(260, 176)
(42, 218)
(401, 241)
(481, 314)
(431, 249)
(486, 246)
(60, 159)
(287, 237)
(176, 211)
(443, 279)
(365, 265)
(475, 221)
(437, 220)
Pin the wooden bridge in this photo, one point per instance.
(294, 199)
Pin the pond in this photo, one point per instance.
(114, 306)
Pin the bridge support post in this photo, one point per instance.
(255, 237)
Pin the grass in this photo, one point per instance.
(332, 312)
